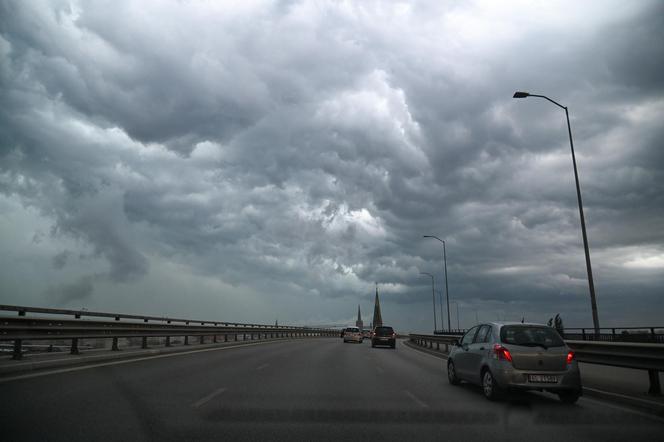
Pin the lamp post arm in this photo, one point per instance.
(552, 101)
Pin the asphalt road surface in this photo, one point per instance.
(315, 389)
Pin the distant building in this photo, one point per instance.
(377, 318)
(359, 324)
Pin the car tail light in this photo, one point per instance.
(394, 335)
(570, 357)
(502, 353)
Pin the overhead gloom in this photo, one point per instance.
(261, 161)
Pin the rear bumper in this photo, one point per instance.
(378, 341)
(510, 377)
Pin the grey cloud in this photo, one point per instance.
(79, 290)
(60, 260)
(303, 151)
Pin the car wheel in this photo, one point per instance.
(451, 374)
(569, 397)
(489, 387)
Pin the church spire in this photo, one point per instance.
(377, 318)
(359, 324)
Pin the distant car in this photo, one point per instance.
(366, 334)
(383, 335)
(502, 356)
(352, 334)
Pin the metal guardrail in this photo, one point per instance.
(636, 355)
(21, 328)
(654, 335)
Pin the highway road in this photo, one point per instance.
(314, 389)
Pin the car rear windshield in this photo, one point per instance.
(353, 329)
(530, 336)
(383, 331)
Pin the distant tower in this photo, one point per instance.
(359, 324)
(377, 318)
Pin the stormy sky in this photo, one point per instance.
(255, 161)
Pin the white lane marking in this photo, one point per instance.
(417, 400)
(126, 361)
(207, 398)
(262, 366)
(631, 398)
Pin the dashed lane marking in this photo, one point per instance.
(208, 398)
(415, 399)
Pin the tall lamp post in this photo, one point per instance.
(435, 322)
(447, 292)
(589, 269)
(440, 303)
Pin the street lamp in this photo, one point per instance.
(589, 269)
(440, 303)
(447, 292)
(435, 322)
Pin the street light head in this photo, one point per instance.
(519, 94)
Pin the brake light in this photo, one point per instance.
(394, 335)
(502, 353)
(570, 357)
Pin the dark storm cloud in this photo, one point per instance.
(304, 148)
(74, 292)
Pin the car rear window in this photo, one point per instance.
(530, 336)
(382, 331)
(353, 329)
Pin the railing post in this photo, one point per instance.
(144, 344)
(114, 345)
(652, 334)
(655, 387)
(214, 339)
(583, 334)
(613, 334)
(236, 336)
(74, 346)
(225, 338)
(201, 340)
(18, 351)
(438, 346)
(186, 340)
(168, 341)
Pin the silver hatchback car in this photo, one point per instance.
(502, 356)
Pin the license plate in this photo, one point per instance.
(542, 378)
